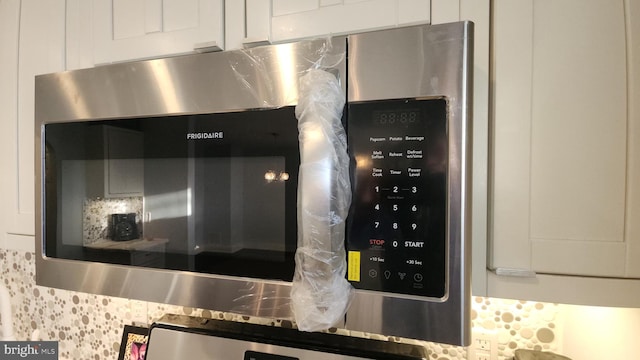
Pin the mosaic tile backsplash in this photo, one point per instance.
(90, 326)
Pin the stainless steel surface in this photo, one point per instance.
(436, 61)
(423, 61)
(181, 336)
(515, 272)
(171, 344)
(263, 77)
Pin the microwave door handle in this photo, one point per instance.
(315, 195)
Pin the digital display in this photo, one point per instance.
(396, 117)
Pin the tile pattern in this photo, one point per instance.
(90, 326)
(517, 324)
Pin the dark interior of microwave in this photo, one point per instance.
(213, 193)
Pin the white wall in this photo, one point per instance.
(597, 333)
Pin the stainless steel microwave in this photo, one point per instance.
(176, 180)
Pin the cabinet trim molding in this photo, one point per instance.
(554, 288)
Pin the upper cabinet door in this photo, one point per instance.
(31, 43)
(566, 162)
(296, 19)
(138, 29)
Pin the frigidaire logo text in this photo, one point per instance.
(205, 135)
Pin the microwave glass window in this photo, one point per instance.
(211, 193)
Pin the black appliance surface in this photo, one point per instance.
(123, 227)
(397, 224)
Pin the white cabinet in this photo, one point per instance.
(126, 29)
(566, 131)
(120, 170)
(283, 20)
(105, 31)
(32, 42)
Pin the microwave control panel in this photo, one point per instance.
(397, 226)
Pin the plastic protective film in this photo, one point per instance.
(320, 293)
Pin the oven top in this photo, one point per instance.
(185, 337)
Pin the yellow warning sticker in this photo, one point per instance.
(354, 266)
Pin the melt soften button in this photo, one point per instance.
(377, 154)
